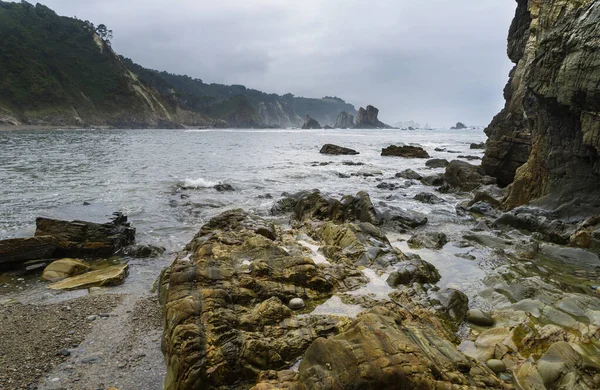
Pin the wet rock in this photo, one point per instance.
(367, 119)
(353, 163)
(469, 157)
(496, 365)
(482, 208)
(403, 219)
(430, 240)
(296, 304)
(478, 146)
(429, 198)
(538, 221)
(437, 163)
(459, 126)
(433, 180)
(389, 186)
(479, 317)
(488, 240)
(267, 231)
(455, 303)
(81, 239)
(224, 187)
(64, 268)
(414, 270)
(344, 120)
(462, 176)
(109, 276)
(440, 149)
(409, 174)
(337, 150)
(269, 312)
(142, 251)
(406, 151)
(408, 346)
(489, 194)
(311, 124)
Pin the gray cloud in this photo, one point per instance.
(433, 61)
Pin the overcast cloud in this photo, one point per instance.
(435, 61)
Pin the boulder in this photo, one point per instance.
(479, 317)
(64, 268)
(367, 119)
(454, 304)
(437, 163)
(430, 240)
(433, 180)
(311, 124)
(462, 176)
(414, 270)
(110, 276)
(344, 121)
(480, 145)
(482, 208)
(337, 150)
(469, 157)
(406, 151)
(409, 174)
(429, 198)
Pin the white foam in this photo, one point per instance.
(335, 307)
(199, 183)
(377, 286)
(316, 256)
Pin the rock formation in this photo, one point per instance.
(552, 102)
(311, 124)
(337, 150)
(406, 151)
(367, 119)
(458, 126)
(344, 121)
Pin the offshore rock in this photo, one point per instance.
(459, 126)
(344, 121)
(367, 119)
(437, 163)
(337, 150)
(553, 100)
(311, 124)
(406, 151)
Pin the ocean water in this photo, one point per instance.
(163, 179)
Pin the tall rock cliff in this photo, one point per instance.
(344, 121)
(553, 102)
(367, 119)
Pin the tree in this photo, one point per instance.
(104, 32)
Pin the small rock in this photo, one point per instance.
(296, 304)
(496, 365)
(409, 174)
(104, 315)
(427, 197)
(64, 352)
(224, 187)
(479, 317)
(437, 163)
(91, 318)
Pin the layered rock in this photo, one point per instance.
(344, 121)
(337, 150)
(554, 95)
(406, 151)
(367, 119)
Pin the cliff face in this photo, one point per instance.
(367, 119)
(344, 121)
(553, 101)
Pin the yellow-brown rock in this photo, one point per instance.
(109, 276)
(64, 268)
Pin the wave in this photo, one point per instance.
(197, 183)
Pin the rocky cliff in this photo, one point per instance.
(552, 103)
(367, 119)
(344, 121)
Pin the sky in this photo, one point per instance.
(434, 61)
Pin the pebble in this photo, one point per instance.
(296, 304)
(64, 352)
(104, 315)
(91, 318)
(479, 317)
(496, 365)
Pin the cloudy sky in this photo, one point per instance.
(435, 61)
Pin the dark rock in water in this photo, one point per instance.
(352, 163)
(389, 186)
(440, 149)
(433, 180)
(265, 196)
(479, 317)
(224, 187)
(538, 221)
(404, 151)
(437, 163)
(405, 219)
(455, 304)
(337, 150)
(462, 176)
(344, 121)
(142, 251)
(453, 151)
(409, 174)
(80, 238)
(317, 206)
(490, 194)
(459, 126)
(427, 197)
(343, 175)
(482, 208)
(414, 270)
(327, 127)
(311, 124)
(86, 203)
(429, 240)
(407, 344)
(478, 146)
(367, 119)
(16, 251)
(470, 157)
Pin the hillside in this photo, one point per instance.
(62, 71)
